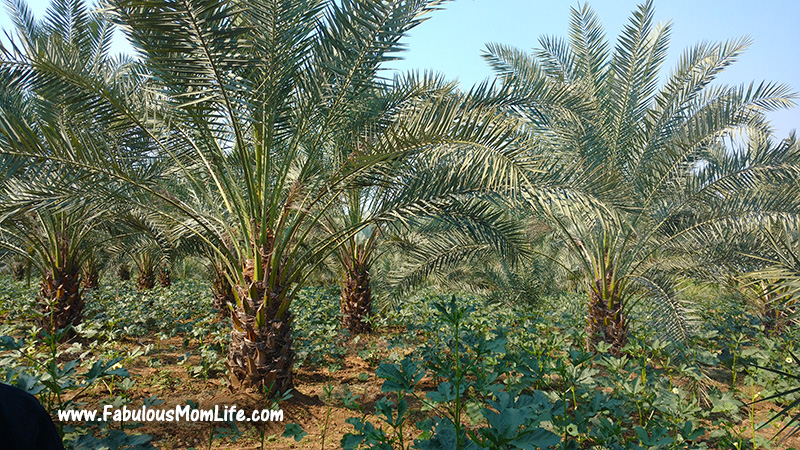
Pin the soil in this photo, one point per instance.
(310, 406)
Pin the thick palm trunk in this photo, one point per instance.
(357, 301)
(124, 272)
(61, 302)
(147, 278)
(606, 320)
(164, 278)
(261, 356)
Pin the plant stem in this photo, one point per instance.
(457, 412)
(328, 394)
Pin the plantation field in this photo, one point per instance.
(522, 371)
(589, 250)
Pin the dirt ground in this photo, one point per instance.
(319, 414)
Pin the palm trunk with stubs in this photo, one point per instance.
(147, 278)
(91, 275)
(260, 354)
(357, 300)
(606, 320)
(164, 278)
(61, 303)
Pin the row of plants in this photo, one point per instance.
(261, 142)
(454, 376)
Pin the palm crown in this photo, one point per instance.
(634, 186)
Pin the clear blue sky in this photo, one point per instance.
(451, 40)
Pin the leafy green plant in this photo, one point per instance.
(460, 364)
(60, 386)
(791, 393)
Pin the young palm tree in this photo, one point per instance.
(356, 256)
(145, 263)
(56, 244)
(775, 287)
(164, 277)
(90, 272)
(123, 272)
(630, 184)
(139, 236)
(394, 205)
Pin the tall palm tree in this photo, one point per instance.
(630, 186)
(241, 103)
(58, 237)
(402, 198)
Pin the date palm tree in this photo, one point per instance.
(460, 220)
(416, 191)
(631, 188)
(56, 244)
(57, 238)
(775, 286)
(90, 272)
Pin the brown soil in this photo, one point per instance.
(310, 406)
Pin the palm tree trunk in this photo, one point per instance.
(91, 275)
(147, 278)
(61, 302)
(606, 320)
(261, 357)
(222, 293)
(357, 301)
(164, 278)
(124, 272)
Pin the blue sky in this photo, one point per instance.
(451, 41)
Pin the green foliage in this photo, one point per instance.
(527, 388)
(294, 431)
(34, 366)
(321, 340)
(648, 182)
(509, 376)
